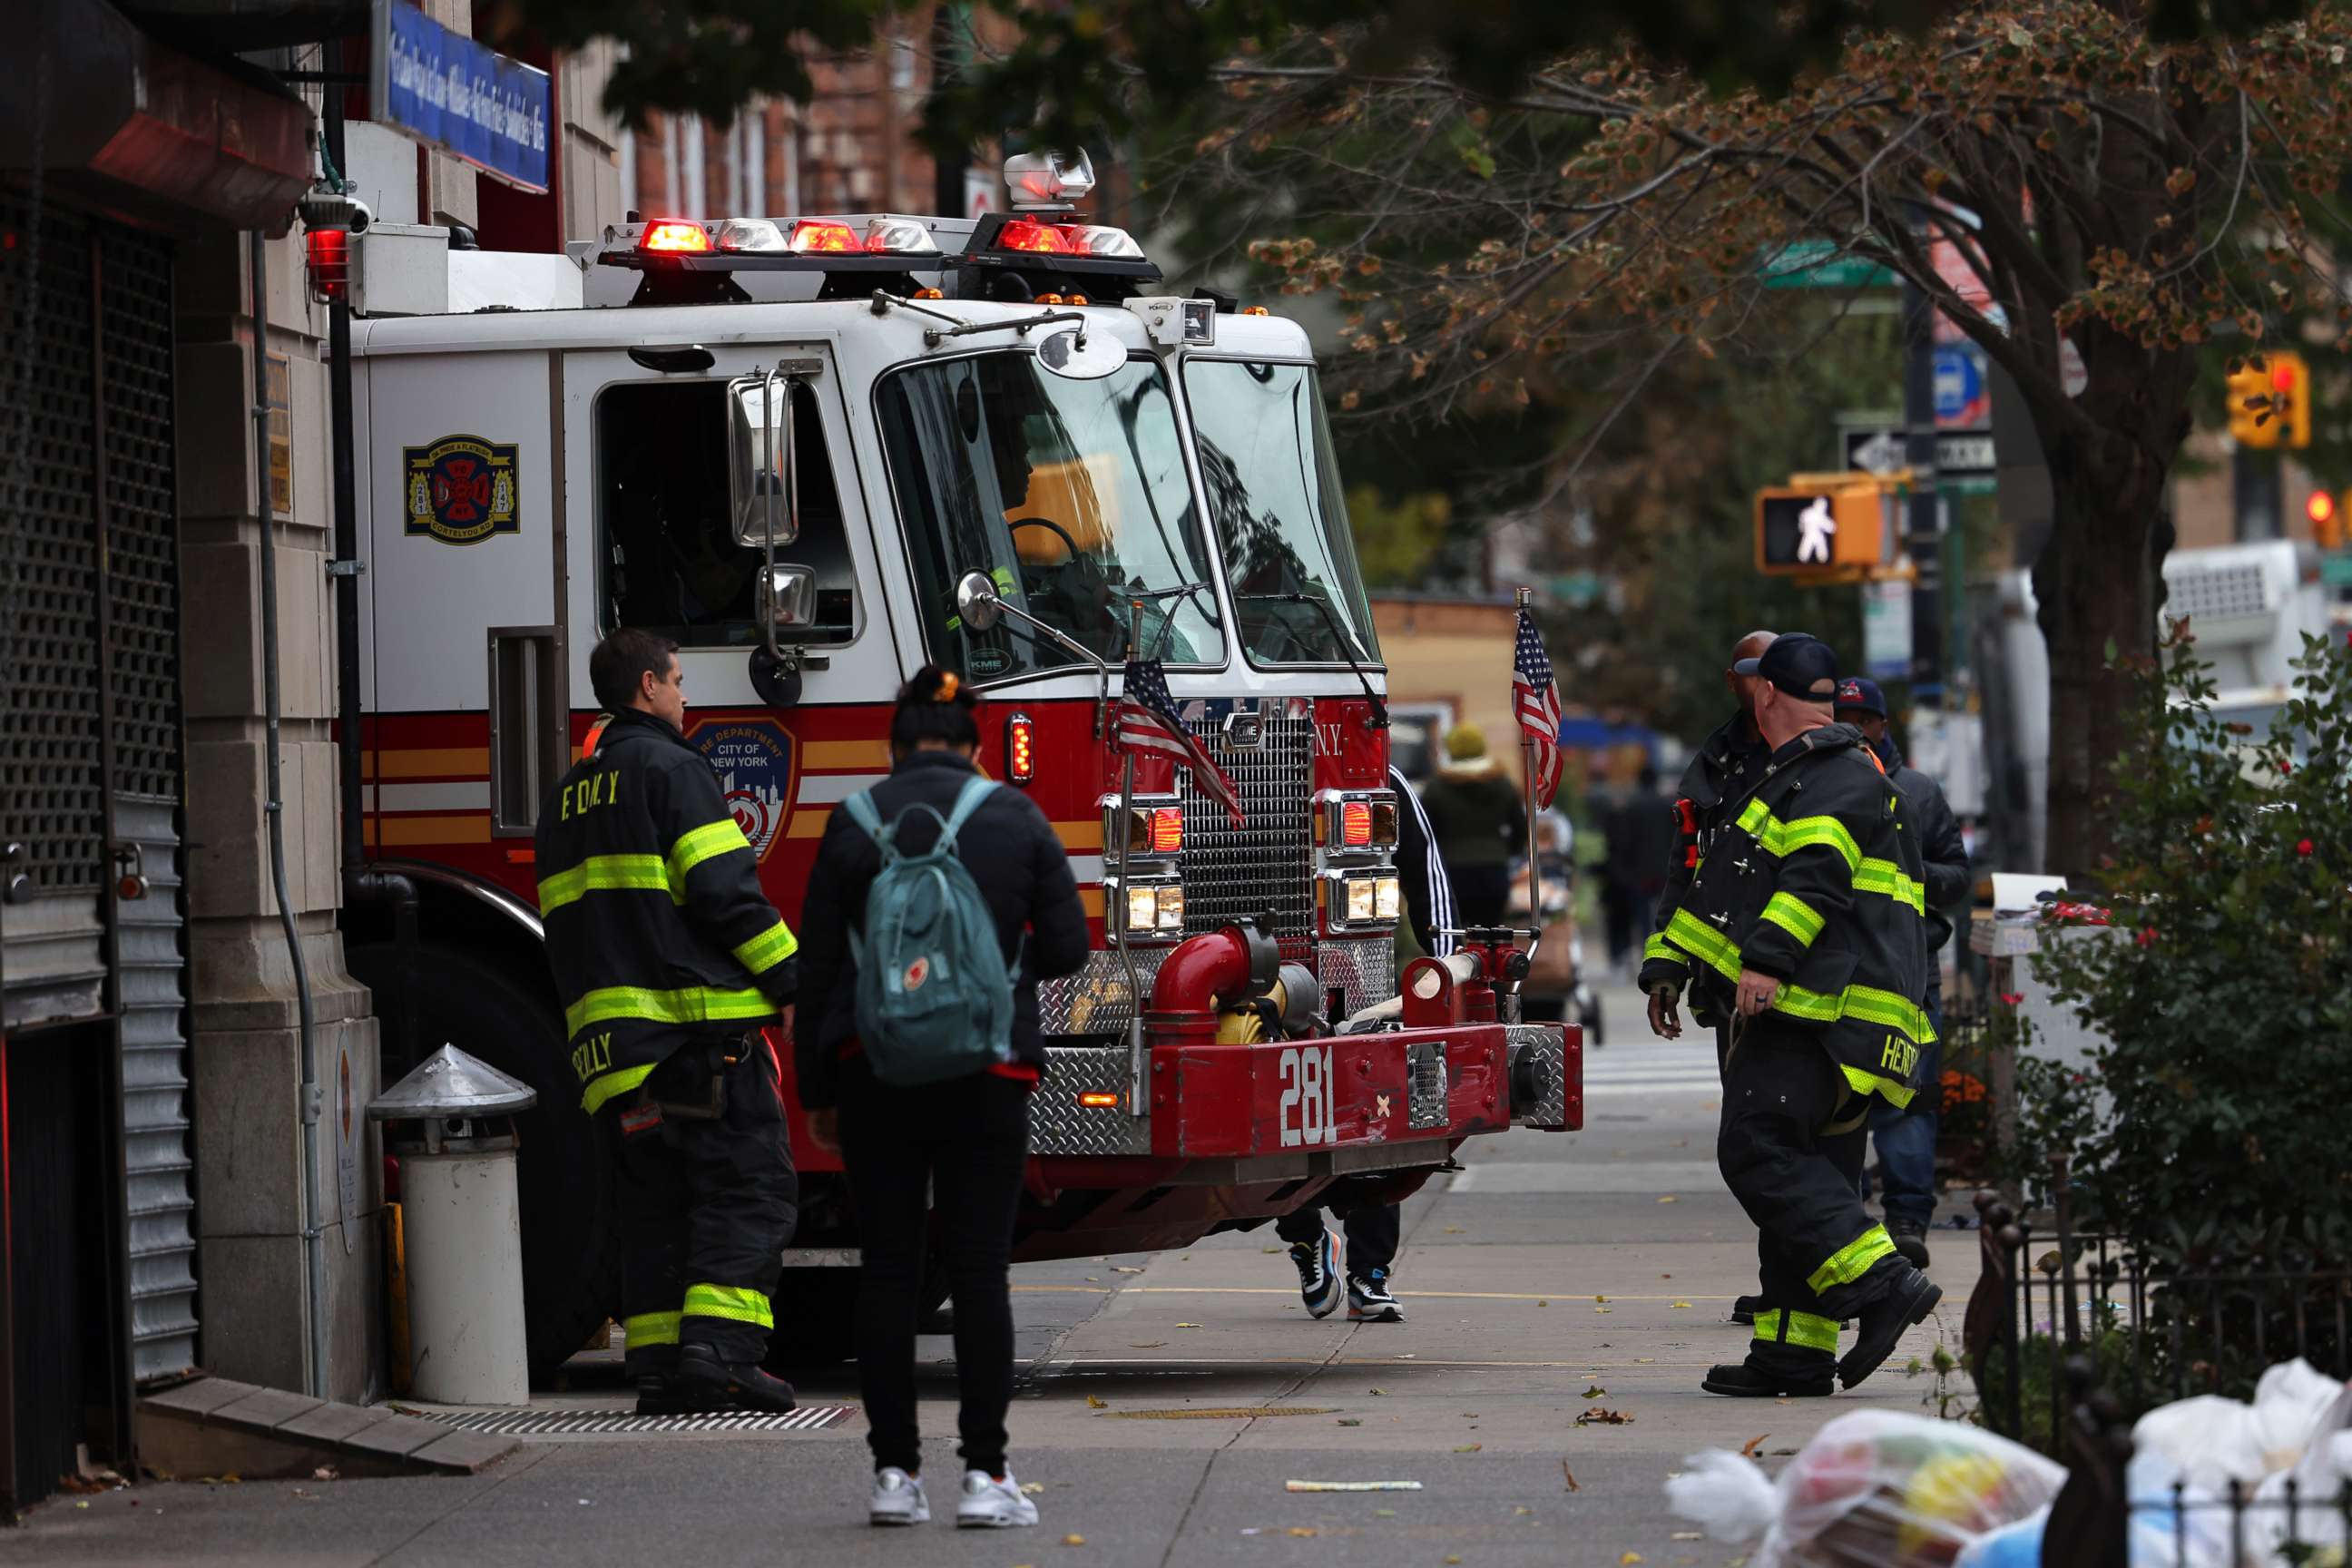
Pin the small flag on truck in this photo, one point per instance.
(1535, 697)
(1147, 725)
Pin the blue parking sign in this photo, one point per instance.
(443, 89)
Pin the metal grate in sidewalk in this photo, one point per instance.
(624, 1422)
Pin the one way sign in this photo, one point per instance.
(1872, 450)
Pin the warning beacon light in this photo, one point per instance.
(1046, 182)
(1019, 749)
(675, 237)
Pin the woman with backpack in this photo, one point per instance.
(939, 901)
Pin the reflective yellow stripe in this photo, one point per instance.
(1851, 1261)
(1656, 948)
(1814, 1333)
(1785, 839)
(705, 843)
(1865, 1081)
(599, 1091)
(732, 1302)
(767, 949)
(651, 1328)
(602, 873)
(1886, 876)
(1795, 916)
(1720, 954)
(693, 1004)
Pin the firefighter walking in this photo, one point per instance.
(1811, 906)
(670, 963)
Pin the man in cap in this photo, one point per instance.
(1810, 904)
(1906, 1137)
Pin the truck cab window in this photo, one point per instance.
(670, 561)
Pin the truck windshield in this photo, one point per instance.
(1273, 492)
(1070, 494)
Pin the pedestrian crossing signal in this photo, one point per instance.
(1825, 530)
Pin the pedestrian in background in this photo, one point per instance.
(1906, 1135)
(1639, 837)
(1479, 822)
(961, 1145)
(1806, 905)
(706, 1197)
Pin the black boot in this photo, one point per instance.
(705, 1384)
(1881, 1324)
(1743, 1310)
(1745, 1379)
(1910, 1239)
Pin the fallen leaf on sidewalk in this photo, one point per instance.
(1377, 1393)
(1123, 1269)
(1095, 1403)
(1274, 1249)
(1599, 1417)
(1682, 1303)
(1595, 1392)
(1669, 1198)
(1522, 1512)
(1094, 1280)
(1645, 1359)
(1688, 1536)
(1304, 1531)
(1469, 1447)
(1188, 1325)
(1748, 1447)
(1569, 1477)
(1074, 1541)
(1629, 1560)
(1451, 1560)
(1351, 1421)
(1034, 1488)
(1600, 1309)
(326, 1473)
(1452, 1230)
(1602, 1300)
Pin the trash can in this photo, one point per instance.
(451, 1124)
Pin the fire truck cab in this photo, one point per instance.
(818, 453)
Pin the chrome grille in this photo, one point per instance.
(1261, 869)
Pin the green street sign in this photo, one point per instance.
(1820, 264)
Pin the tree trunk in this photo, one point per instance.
(2099, 587)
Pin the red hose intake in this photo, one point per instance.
(1202, 970)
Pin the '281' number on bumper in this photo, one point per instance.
(1307, 1115)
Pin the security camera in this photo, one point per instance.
(326, 208)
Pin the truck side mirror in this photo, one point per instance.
(764, 504)
(976, 602)
(785, 600)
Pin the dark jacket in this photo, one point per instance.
(1940, 844)
(1723, 768)
(1817, 883)
(1428, 892)
(656, 924)
(1477, 817)
(1010, 851)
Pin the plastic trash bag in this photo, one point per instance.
(2191, 1450)
(2015, 1545)
(1884, 1489)
(1726, 1495)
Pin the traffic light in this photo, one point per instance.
(1823, 527)
(2326, 522)
(2270, 401)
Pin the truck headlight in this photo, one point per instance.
(1171, 908)
(1143, 908)
(1363, 897)
(1387, 899)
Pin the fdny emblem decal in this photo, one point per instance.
(462, 489)
(753, 762)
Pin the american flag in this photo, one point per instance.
(1147, 725)
(1535, 697)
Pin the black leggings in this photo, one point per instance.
(964, 1146)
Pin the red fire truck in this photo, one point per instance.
(819, 452)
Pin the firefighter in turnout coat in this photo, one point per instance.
(670, 963)
(1811, 907)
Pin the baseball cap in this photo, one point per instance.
(1856, 693)
(1803, 667)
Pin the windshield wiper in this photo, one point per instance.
(884, 303)
(1342, 638)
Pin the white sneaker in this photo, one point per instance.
(990, 1502)
(899, 1499)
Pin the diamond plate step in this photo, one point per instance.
(548, 1425)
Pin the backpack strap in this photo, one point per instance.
(968, 799)
(860, 807)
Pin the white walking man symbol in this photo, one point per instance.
(1814, 526)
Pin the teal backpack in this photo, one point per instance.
(934, 992)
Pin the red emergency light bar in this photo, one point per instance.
(1089, 239)
(674, 237)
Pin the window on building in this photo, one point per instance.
(670, 561)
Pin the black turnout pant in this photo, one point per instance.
(960, 1147)
(1791, 1148)
(1372, 1230)
(706, 1202)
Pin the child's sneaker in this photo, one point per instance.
(993, 1502)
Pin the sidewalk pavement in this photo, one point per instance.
(1165, 1399)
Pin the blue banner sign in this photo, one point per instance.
(460, 97)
